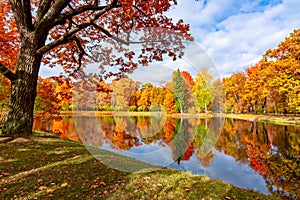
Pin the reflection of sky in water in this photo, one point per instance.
(153, 153)
(225, 168)
(222, 167)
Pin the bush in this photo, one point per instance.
(260, 111)
(155, 108)
(141, 108)
(108, 108)
(132, 108)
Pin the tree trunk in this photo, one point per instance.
(19, 117)
(265, 105)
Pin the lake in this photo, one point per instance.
(253, 155)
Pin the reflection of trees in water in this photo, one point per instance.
(119, 132)
(203, 143)
(206, 159)
(88, 131)
(181, 139)
(64, 128)
(206, 134)
(123, 133)
(169, 129)
(271, 150)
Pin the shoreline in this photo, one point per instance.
(276, 119)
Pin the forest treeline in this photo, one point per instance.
(270, 86)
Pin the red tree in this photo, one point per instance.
(68, 33)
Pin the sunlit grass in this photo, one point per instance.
(55, 168)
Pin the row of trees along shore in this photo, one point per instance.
(183, 94)
(270, 86)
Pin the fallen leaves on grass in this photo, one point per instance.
(64, 185)
(94, 186)
(102, 183)
(50, 190)
(43, 187)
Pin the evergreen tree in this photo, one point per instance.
(178, 89)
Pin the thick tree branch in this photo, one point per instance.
(19, 14)
(27, 16)
(22, 14)
(63, 39)
(68, 15)
(46, 21)
(7, 73)
(43, 8)
(96, 2)
(66, 38)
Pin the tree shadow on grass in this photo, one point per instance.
(54, 168)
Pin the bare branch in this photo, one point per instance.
(7, 73)
(81, 53)
(106, 32)
(117, 39)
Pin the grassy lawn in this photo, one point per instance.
(44, 166)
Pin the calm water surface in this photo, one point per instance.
(259, 156)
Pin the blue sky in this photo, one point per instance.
(235, 33)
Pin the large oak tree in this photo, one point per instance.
(71, 33)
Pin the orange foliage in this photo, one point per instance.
(169, 129)
(271, 85)
(9, 41)
(46, 103)
(188, 152)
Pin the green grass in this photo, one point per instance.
(47, 167)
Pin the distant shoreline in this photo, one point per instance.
(277, 119)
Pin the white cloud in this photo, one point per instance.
(236, 33)
(194, 59)
(154, 73)
(46, 71)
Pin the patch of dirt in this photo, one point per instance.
(19, 140)
(4, 138)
